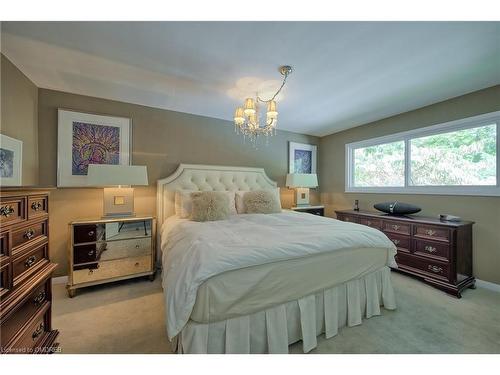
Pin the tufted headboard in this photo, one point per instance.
(206, 178)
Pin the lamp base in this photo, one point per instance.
(118, 202)
(302, 197)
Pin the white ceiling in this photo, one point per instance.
(345, 73)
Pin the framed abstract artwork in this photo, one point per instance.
(11, 156)
(84, 139)
(302, 158)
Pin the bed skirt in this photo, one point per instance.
(274, 329)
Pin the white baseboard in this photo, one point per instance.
(487, 285)
(60, 280)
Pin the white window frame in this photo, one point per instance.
(466, 123)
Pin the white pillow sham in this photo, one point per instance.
(240, 204)
(184, 203)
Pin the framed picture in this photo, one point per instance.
(84, 139)
(11, 155)
(302, 158)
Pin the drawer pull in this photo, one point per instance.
(37, 332)
(38, 300)
(29, 234)
(430, 232)
(396, 227)
(91, 252)
(396, 242)
(6, 210)
(91, 233)
(137, 246)
(434, 269)
(36, 206)
(430, 249)
(30, 261)
(136, 264)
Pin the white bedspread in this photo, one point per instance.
(193, 252)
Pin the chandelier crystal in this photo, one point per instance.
(247, 119)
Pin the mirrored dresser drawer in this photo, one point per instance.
(109, 250)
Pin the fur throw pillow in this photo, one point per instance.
(209, 206)
(262, 202)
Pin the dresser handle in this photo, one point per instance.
(37, 331)
(395, 227)
(91, 252)
(430, 232)
(91, 233)
(29, 234)
(136, 264)
(430, 249)
(137, 246)
(6, 210)
(36, 206)
(38, 300)
(435, 269)
(396, 242)
(30, 261)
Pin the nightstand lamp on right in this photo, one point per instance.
(302, 182)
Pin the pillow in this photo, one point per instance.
(209, 205)
(183, 203)
(262, 202)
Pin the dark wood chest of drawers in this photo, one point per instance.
(438, 252)
(26, 271)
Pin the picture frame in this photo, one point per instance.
(86, 138)
(302, 158)
(11, 161)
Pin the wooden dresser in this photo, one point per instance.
(25, 290)
(438, 252)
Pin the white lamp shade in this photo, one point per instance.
(113, 175)
(301, 180)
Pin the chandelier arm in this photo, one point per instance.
(276, 94)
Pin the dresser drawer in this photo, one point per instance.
(126, 249)
(27, 310)
(4, 244)
(435, 268)
(374, 223)
(87, 233)
(432, 232)
(38, 206)
(396, 227)
(12, 210)
(432, 249)
(348, 218)
(29, 234)
(402, 242)
(24, 265)
(33, 333)
(113, 268)
(5, 286)
(85, 253)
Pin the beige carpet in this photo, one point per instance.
(128, 317)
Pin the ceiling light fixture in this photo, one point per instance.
(247, 118)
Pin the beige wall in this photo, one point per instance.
(485, 211)
(161, 140)
(19, 106)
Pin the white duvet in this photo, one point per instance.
(193, 252)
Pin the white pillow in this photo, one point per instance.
(240, 204)
(184, 203)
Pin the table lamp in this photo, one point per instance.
(116, 180)
(301, 182)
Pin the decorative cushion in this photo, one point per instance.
(183, 202)
(262, 202)
(209, 206)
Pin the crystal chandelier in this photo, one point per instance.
(247, 118)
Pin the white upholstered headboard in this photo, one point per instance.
(206, 178)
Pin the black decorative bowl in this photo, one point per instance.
(397, 208)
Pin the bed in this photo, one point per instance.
(257, 283)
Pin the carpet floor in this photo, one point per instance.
(128, 317)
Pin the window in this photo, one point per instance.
(459, 157)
